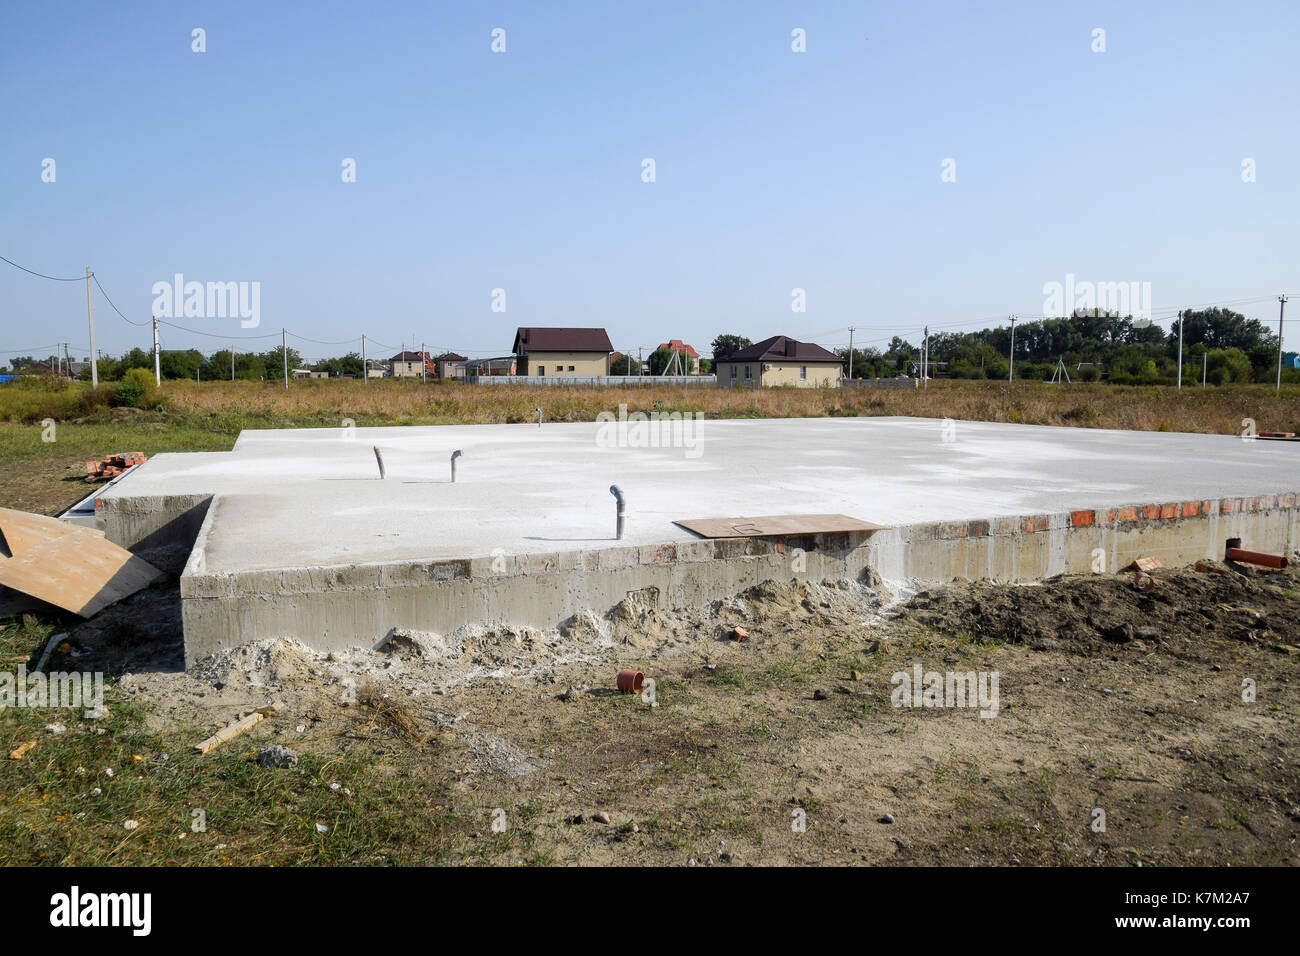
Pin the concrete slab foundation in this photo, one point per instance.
(294, 534)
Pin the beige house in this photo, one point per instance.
(781, 360)
(410, 364)
(565, 352)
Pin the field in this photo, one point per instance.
(782, 749)
(45, 476)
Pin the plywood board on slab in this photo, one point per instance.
(20, 530)
(76, 568)
(774, 525)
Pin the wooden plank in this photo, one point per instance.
(229, 732)
(774, 525)
(22, 530)
(81, 572)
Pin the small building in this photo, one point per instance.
(781, 360)
(562, 351)
(407, 364)
(505, 365)
(450, 365)
(378, 370)
(308, 373)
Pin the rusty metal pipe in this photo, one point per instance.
(1234, 552)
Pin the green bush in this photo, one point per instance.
(135, 389)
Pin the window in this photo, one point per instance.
(733, 371)
(570, 368)
(803, 371)
(749, 373)
(541, 370)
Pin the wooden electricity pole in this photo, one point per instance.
(94, 356)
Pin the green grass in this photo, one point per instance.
(50, 812)
(48, 477)
(394, 811)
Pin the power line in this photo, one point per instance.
(41, 274)
(324, 342)
(217, 335)
(110, 301)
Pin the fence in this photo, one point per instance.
(881, 382)
(561, 381)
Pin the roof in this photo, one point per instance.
(452, 357)
(781, 347)
(407, 357)
(677, 345)
(561, 340)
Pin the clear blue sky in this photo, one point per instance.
(522, 170)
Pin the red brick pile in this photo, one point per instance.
(111, 466)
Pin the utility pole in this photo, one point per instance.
(284, 353)
(94, 356)
(424, 367)
(1281, 308)
(1205, 366)
(1011, 370)
(365, 365)
(1180, 350)
(925, 365)
(232, 361)
(157, 355)
(851, 331)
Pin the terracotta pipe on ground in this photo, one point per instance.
(1234, 552)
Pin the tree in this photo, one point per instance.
(622, 365)
(728, 344)
(867, 363)
(180, 364)
(1222, 329)
(137, 358)
(274, 361)
(349, 364)
(659, 360)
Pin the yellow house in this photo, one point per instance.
(781, 360)
(562, 352)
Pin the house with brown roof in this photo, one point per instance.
(781, 360)
(406, 364)
(450, 365)
(562, 351)
(685, 361)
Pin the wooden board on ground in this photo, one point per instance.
(77, 569)
(21, 530)
(774, 525)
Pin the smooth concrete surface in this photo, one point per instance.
(294, 534)
(305, 498)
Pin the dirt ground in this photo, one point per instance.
(787, 747)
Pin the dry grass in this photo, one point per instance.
(1214, 410)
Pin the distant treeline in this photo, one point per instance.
(1097, 346)
(1231, 348)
